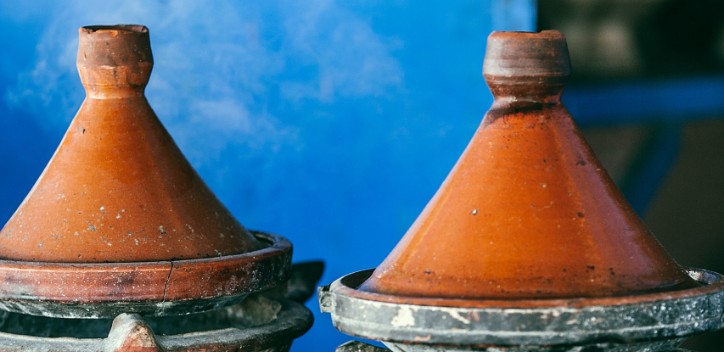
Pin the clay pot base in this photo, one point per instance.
(104, 290)
(476, 325)
(270, 330)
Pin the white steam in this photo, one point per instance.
(226, 75)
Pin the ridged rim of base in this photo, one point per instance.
(104, 290)
(444, 322)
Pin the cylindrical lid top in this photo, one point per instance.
(119, 45)
(114, 56)
(524, 57)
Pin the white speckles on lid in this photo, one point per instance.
(118, 216)
(543, 185)
(161, 230)
(91, 228)
(403, 318)
(102, 209)
(474, 212)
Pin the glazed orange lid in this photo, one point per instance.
(119, 221)
(118, 189)
(528, 211)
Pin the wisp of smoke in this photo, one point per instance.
(225, 75)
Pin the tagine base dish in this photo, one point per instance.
(105, 290)
(264, 324)
(660, 319)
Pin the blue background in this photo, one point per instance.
(328, 122)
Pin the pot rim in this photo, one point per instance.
(459, 322)
(104, 290)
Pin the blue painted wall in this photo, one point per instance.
(329, 122)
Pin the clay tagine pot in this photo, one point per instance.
(527, 219)
(119, 221)
(528, 211)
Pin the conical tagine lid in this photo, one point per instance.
(119, 221)
(118, 188)
(528, 211)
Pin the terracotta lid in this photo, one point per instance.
(118, 189)
(528, 211)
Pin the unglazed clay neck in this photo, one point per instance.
(114, 61)
(526, 67)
